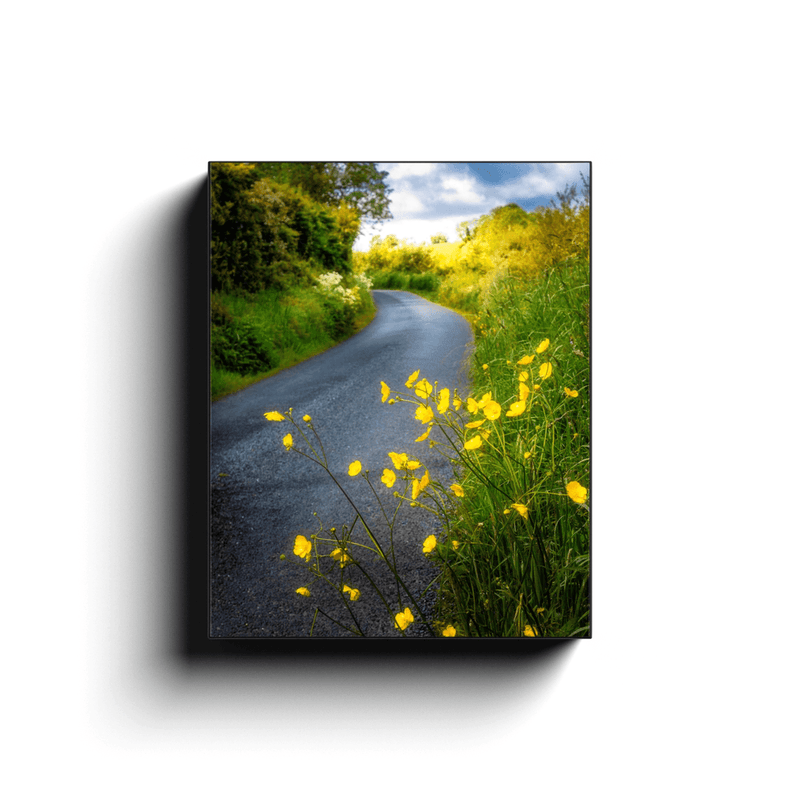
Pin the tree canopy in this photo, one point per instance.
(359, 184)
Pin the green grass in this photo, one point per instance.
(510, 570)
(288, 326)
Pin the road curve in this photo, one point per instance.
(262, 496)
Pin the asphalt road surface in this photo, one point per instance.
(262, 496)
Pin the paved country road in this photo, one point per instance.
(262, 496)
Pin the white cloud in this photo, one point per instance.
(399, 171)
(405, 203)
(461, 190)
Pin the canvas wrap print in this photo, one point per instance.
(400, 361)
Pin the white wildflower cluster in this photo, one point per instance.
(363, 280)
(330, 284)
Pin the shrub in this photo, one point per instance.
(240, 346)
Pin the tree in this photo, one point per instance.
(359, 184)
(438, 238)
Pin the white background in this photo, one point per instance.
(687, 111)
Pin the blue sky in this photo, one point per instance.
(429, 198)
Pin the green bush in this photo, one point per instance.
(240, 346)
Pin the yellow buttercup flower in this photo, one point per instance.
(339, 555)
(516, 409)
(411, 378)
(472, 405)
(424, 414)
(411, 464)
(524, 391)
(449, 631)
(429, 544)
(526, 454)
(424, 435)
(546, 370)
(384, 392)
(525, 360)
(398, 459)
(474, 443)
(543, 345)
(486, 366)
(476, 424)
(302, 547)
(423, 389)
(529, 631)
(354, 469)
(303, 591)
(444, 401)
(456, 544)
(570, 392)
(492, 409)
(287, 441)
(484, 400)
(523, 376)
(354, 593)
(274, 416)
(458, 491)
(403, 619)
(419, 484)
(577, 492)
(388, 478)
(424, 481)
(456, 402)
(307, 418)
(521, 508)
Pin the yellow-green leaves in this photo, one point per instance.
(354, 469)
(577, 492)
(302, 547)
